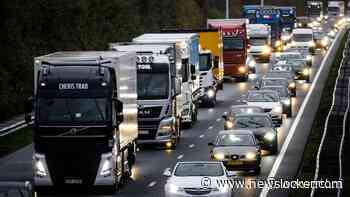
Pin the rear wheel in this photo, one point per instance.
(212, 103)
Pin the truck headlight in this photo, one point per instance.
(324, 41)
(286, 102)
(252, 64)
(292, 85)
(228, 124)
(277, 109)
(278, 43)
(309, 57)
(174, 189)
(166, 126)
(311, 44)
(267, 49)
(270, 136)
(250, 156)
(242, 69)
(39, 165)
(211, 93)
(219, 156)
(306, 72)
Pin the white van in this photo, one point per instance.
(303, 38)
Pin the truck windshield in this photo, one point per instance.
(258, 41)
(233, 43)
(333, 9)
(70, 110)
(204, 62)
(302, 37)
(152, 86)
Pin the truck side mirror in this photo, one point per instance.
(119, 110)
(193, 69)
(177, 87)
(28, 110)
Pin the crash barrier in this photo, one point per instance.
(329, 163)
(16, 189)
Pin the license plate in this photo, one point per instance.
(73, 181)
(235, 162)
(144, 132)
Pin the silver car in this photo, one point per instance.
(285, 96)
(238, 150)
(239, 109)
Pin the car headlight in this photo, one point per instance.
(250, 155)
(270, 136)
(39, 165)
(267, 49)
(286, 102)
(174, 188)
(252, 64)
(106, 169)
(219, 156)
(277, 109)
(324, 41)
(292, 85)
(228, 124)
(242, 69)
(311, 44)
(306, 72)
(248, 50)
(293, 43)
(211, 93)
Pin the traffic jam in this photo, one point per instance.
(95, 112)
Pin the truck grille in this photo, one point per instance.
(149, 112)
(148, 129)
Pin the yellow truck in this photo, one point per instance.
(211, 64)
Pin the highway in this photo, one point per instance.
(147, 179)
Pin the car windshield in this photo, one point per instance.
(251, 122)
(333, 9)
(68, 110)
(199, 169)
(258, 41)
(152, 86)
(318, 35)
(282, 91)
(279, 75)
(288, 56)
(233, 43)
(245, 110)
(296, 63)
(282, 67)
(302, 37)
(204, 62)
(235, 140)
(262, 97)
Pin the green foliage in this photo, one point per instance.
(33, 28)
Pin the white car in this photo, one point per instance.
(270, 101)
(197, 178)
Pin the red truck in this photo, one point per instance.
(235, 42)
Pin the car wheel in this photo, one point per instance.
(212, 102)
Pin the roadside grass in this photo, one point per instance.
(15, 141)
(308, 165)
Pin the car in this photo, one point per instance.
(300, 68)
(288, 75)
(286, 99)
(238, 109)
(321, 39)
(274, 81)
(250, 61)
(262, 127)
(187, 179)
(270, 101)
(238, 150)
(305, 55)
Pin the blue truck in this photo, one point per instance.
(250, 11)
(288, 17)
(271, 16)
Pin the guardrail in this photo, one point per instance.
(13, 128)
(329, 156)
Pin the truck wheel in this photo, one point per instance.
(289, 113)
(257, 170)
(274, 148)
(212, 103)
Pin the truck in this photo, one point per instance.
(235, 46)
(348, 10)
(211, 66)
(314, 9)
(336, 9)
(85, 119)
(260, 41)
(189, 64)
(159, 92)
(270, 15)
(303, 39)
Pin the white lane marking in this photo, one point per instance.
(191, 146)
(180, 156)
(201, 136)
(218, 120)
(292, 130)
(210, 128)
(151, 184)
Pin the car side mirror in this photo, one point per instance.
(167, 173)
(28, 110)
(210, 144)
(119, 110)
